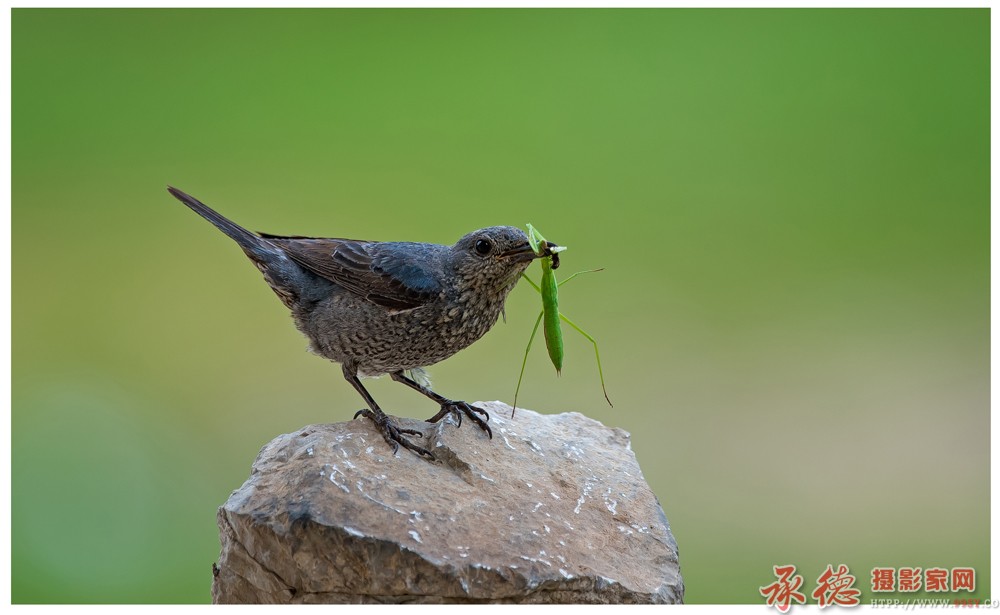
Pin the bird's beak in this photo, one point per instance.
(522, 253)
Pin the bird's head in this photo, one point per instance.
(492, 258)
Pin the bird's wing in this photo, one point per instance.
(390, 275)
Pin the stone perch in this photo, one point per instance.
(554, 510)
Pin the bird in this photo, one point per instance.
(388, 307)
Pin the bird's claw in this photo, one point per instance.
(393, 433)
(458, 408)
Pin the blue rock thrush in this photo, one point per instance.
(388, 307)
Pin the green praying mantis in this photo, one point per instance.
(550, 315)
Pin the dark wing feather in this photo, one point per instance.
(390, 275)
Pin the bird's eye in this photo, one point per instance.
(483, 247)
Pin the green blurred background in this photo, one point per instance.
(792, 207)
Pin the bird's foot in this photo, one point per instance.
(392, 432)
(458, 408)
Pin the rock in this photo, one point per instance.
(553, 510)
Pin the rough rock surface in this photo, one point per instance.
(553, 510)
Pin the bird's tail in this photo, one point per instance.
(288, 280)
(251, 243)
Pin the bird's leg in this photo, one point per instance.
(389, 429)
(447, 406)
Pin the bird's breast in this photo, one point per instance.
(346, 328)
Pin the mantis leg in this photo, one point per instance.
(538, 288)
(580, 272)
(525, 361)
(532, 282)
(597, 354)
